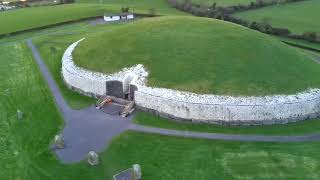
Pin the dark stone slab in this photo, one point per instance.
(115, 88)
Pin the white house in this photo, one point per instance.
(111, 18)
(2, 8)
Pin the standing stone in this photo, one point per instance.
(93, 158)
(58, 141)
(137, 171)
(19, 114)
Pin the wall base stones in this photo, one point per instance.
(186, 106)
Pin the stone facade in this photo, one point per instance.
(178, 105)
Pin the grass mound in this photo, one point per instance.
(201, 55)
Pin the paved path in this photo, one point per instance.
(91, 129)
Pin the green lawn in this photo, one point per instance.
(52, 52)
(298, 17)
(24, 145)
(305, 127)
(25, 154)
(201, 55)
(166, 158)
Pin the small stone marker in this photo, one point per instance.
(19, 114)
(93, 158)
(58, 141)
(137, 171)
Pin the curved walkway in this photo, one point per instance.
(91, 129)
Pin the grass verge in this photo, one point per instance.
(305, 127)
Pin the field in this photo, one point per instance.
(24, 144)
(24, 19)
(178, 59)
(159, 6)
(25, 154)
(298, 17)
(222, 2)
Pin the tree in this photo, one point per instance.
(125, 9)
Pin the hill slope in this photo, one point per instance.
(201, 55)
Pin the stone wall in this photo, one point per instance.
(178, 105)
(229, 110)
(94, 83)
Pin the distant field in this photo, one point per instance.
(298, 17)
(160, 6)
(28, 18)
(222, 2)
(301, 42)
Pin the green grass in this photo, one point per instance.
(28, 18)
(160, 6)
(297, 17)
(24, 145)
(52, 52)
(164, 158)
(305, 127)
(222, 2)
(24, 19)
(301, 42)
(53, 42)
(201, 55)
(24, 152)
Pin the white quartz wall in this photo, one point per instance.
(225, 108)
(93, 82)
(195, 107)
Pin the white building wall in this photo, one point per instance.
(111, 18)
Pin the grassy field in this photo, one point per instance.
(159, 6)
(24, 144)
(24, 151)
(298, 17)
(222, 2)
(301, 43)
(28, 18)
(210, 57)
(306, 127)
(23, 19)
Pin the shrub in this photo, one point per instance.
(125, 9)
(310, 36)
(152, 11)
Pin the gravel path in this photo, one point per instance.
(91, 129)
